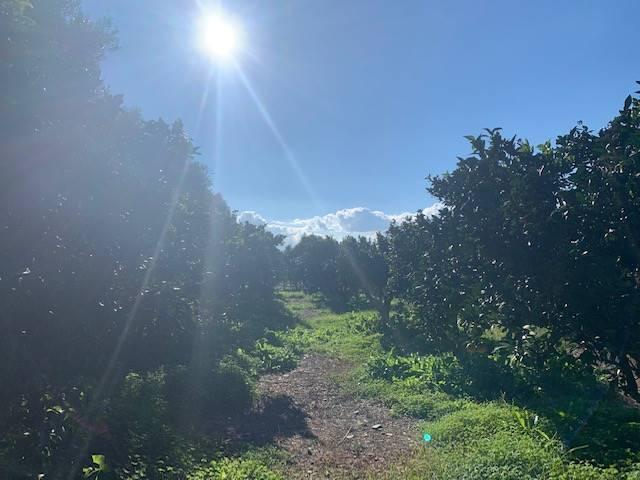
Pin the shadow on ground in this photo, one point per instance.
(275, 417)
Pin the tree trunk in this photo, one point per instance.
(631, 384)
(384, 307)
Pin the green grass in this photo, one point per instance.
(302, 305)
(500, 441)
(346, 336)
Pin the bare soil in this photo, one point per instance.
(327, 433)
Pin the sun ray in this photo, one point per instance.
(295, 166)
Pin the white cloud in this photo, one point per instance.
(251, 217)
(350, 221)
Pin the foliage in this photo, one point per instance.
(343, 272)
(126, 281)
(440, 372)
(99, 467)
(194, 465)
(135, 306)
(234, 469)
(494, 440)
(313, 265)
(607, 433)
(274, 358)
(538, 245)
(582, 413)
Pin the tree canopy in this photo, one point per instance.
(540, 243)
(117, 255)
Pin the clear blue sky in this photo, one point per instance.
(370, 96)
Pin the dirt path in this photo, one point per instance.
(327, 433)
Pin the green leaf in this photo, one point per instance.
(627, 102)
(99, 460)
(520, 418)
(525, 148)
(575, 449)
(543, 435)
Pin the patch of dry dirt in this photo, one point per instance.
(327, 433)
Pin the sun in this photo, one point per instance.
(218, 36)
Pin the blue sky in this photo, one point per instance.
(369, 96)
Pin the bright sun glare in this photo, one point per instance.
(218, 36)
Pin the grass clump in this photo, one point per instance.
(348, 335)
(302, 305)
(405, 397)
(500, 441)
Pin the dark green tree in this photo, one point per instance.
(313, 264)
(540, 244)
(116, 254)
(363, 269)
(600, 205)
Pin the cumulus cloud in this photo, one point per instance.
(250, 216)
(350, 221)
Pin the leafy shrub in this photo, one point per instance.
(38, 438)
(140, 417)
(233, 469)
(477, 377)
(585, 471)
(610, 432)
(274, 358)
(230, 388)
(155, 416)
(442, 372)
(633, 472)
(141, 404)
(216, 393)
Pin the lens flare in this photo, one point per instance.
(218, 36)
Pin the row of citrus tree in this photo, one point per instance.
(117, 257)
(535, 254)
